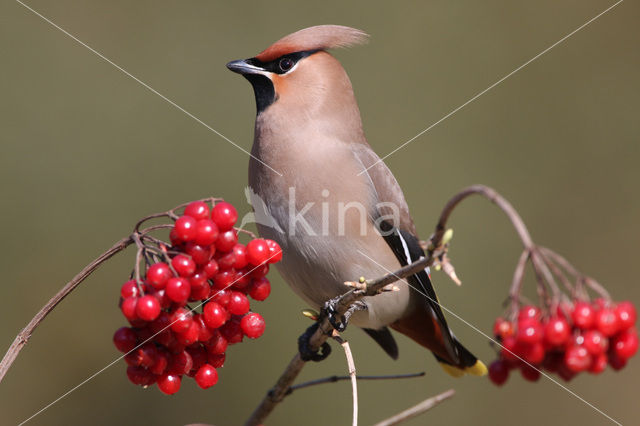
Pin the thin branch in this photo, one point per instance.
(418, 409)
(333, 379)
(352, 374)
(23, 337)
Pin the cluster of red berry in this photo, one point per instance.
(580, 337)
(206, 265)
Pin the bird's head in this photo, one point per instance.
(297, 72)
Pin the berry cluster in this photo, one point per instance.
(580, 337)
(205, 264)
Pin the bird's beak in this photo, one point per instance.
(242, 66)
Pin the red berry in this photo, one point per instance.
(181, 320)
(181, 363)
(509, 349)
(240, 253)
(533, 353)
(501, 328)
(185, 228)
(140, 376)
(216, 361)
(498, 372)
(227, 261)
(128, 308)
(625, 344)
(161, 362)
(158, 274)
(169, 383)
(217, 344)
(147, 308)
(222, 297)
(529, 373)
(556, 331)
(238, 304)
(529, 331)
(144, 356)
(206, 232)
(598, 364)
(210, 269)
(197, 210)
(259, 271)
(206, 376)
(224, 279)
(227, 240)
(232, 331)
(205, 333)
(178, 290)
(607, 321)
(260, 289)
(577, 358)
(184, 266)
(627, 315)
(529, 312)
(258, 252)
(275, 252)
(214, 315)
(129, 289)
(200, 289)
(199, 254)
(190, 336)
(252, 325)
(583, 315)
(616, 362)
(224, 215)
(125, 339)
(595, 342)
(199, 356)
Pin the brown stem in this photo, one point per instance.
(23, 337)
(418, 409)
(333, 379)
(516, 284)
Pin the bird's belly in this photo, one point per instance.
(316, 267)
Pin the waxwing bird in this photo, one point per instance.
(334, 222)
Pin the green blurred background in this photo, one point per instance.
(86, 151)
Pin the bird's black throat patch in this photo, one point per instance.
(263, 89)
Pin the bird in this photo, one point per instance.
(337, 209)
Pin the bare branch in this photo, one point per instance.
(333, 379)
(418, 409)
(23, 337)
(352, 374)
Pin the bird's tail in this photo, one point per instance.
(468, 363)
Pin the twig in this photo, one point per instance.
(434, 250)
(23, 337)
(352, 374)
(418, 409)
(333, 379)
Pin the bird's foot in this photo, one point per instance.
(331, 312)
(304, 346)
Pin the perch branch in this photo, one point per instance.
(352, 374)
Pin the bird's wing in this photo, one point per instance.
(404, 243)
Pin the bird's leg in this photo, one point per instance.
(329, 309)
(304, 346)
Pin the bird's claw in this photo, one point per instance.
(331, 312)
(304, 347)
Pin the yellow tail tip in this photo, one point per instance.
(451, 370)
(478, 369)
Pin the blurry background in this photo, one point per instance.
(86, 151)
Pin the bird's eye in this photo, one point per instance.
(285, 64)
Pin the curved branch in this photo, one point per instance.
(23, 337)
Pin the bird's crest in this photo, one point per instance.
(320, 37)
